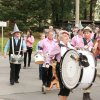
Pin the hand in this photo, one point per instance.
(5, 55)
(47, 65)
(86, 47)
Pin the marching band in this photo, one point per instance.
(65, 60)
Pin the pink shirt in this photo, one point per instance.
(29, 41)
(77, 41)
(47, 44)
(57, 52)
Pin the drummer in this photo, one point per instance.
(45, 46)
(84, 43)
(16, 41)
(57, 52)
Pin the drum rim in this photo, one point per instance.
(80, 78)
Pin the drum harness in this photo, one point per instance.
(18, 55)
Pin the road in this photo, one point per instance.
(29, 87)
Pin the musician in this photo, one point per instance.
(58, 51)
(96, 48)
(77, 41)
(16, 40)
(74, 31)
(45, 46)
(88, 44)
(84, 42)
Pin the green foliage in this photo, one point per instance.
(35, 13)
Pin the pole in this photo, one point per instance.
(2, 41)
(91, 9)
(77, 12)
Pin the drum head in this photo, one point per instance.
(70, 69)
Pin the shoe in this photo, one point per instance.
(44, 89)
(24, 67)
(86, 96)
(17, 81)
(28, 65)
(11, 83)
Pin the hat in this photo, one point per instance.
(80, 26)
(64, 32)
(50, 27)
(76, 26)
(88, 28)
(15, 29)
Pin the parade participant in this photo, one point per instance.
(74, 31)
(16, 46)
(57, 52)
(45, 46)
(29, 43)
(84, 43)
(96, 32)
(96, 48)
(42, 36)
(77, 41)
(88, 44)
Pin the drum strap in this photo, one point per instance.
(61, 45)
(13, 46)
(85, 42)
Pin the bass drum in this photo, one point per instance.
(73, 75)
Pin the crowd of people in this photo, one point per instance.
(53, 44)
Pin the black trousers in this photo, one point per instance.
(29, 53)
(40, 71)
(47, 76)
(63, 90)
(14, 72)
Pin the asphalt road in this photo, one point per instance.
(29, 87)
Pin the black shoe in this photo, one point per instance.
(17, 81)
(86, 96)
(11, 83)
(44, 89)
(24, 67)
(28, 65)
(40, 78)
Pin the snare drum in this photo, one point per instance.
(39, 58)
(74, 75)
(16, 59)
